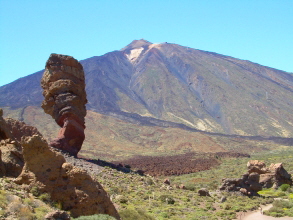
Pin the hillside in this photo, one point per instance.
(206, 91)
(113, 139)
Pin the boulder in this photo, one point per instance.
(182, 186)
(167, 181)
(258, 176)
(203, 192)
(256, 166)
(57, 215)
(276, 176)
(63, 84)
(243, 191)
(45, 169)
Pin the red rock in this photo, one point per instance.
(64, 93)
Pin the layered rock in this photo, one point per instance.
(258, 176)
(66, 184)
(64, 94)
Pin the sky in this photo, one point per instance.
(30, 30)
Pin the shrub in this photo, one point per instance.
(3, 199)
(131, 214)
(167, 198)
(45, 197)
(96, 217)
(190, 186)
(58, 205)
(283, 204)
(284, 187)
(122, 199)
(25, 213)
(280, 194)
(149, 181)
(28, 201)
(35, 191)
(40, 212)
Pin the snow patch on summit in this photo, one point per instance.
(134, 54)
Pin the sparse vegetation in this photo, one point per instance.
(96, 217)
(281, 208)
(147, 197)
(18, 204)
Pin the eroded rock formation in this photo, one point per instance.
(258, 176)
(38, 165)
(64, 93)
(67, 184)
(11, 132)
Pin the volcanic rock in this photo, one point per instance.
(57, 215)
(256, 166)
(258, 176)
(73, 187)
(11, 151)
(167, 181)
(63, 84)
(276, 176)
(203, 192)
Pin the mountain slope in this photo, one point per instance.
(114, 139)
(199, 89)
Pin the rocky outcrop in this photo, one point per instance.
(11, 152)
(258, 176)
(64, 94)
(71, 186)
(276, 176)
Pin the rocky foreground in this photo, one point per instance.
(26, 156)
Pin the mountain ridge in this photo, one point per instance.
(200, 89)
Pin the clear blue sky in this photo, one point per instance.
(30, 30)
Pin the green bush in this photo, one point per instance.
(35, 191)
(149, 181)
(40, 212)
(167, 198)
(281, 208)
(283, 204)
(190, 186)
(96, 217)
(122, 199)
(131, 214)
(45, 197)
(3, 199)
(284, 187)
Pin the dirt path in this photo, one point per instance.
(257, 215)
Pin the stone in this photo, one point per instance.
(57, 215)
(182, 186)
(275, 177)
(243, 191)
(203, 192)
(18, 129)
(63, 84)
(256, 166)
(223, 199)
(11, 151)
(71, 186)
(167, 181)
(258, 177)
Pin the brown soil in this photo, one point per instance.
(177, 164)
